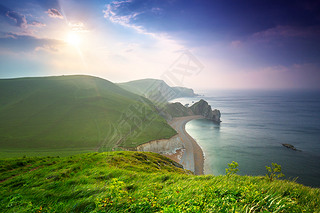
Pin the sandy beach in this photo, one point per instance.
(181, 148)
(192, 156)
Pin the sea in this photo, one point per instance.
(254, 126)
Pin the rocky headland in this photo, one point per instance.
(203, 108)
(199, 108)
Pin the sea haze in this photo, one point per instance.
(254, 126)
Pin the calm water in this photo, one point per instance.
(254, 125)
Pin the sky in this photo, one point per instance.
(202, 44)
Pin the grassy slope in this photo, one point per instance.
(72, 113)
(177, 110)
(147, 86)
(156, 90)
(143, 86)
(139, 182)
(184, 91)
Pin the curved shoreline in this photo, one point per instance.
(193, 151)
(181, 148)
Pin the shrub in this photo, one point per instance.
(274, 172)
(232, 168)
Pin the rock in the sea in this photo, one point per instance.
(290, 146)
(216, 115)
(203, 108)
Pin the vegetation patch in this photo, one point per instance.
(140, 182)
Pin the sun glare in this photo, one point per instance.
(73, 39)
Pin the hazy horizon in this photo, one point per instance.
(268, 45)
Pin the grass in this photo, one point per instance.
(156, 90)
(178, 110)
(144, 86)
(16, 153)
(139, 182)
(74, 113)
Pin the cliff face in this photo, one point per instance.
(164, 146)
(200, 108)
(203, 108)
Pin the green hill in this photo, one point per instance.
(177, 110)
(139, 182)
(184, 92)
(74, 114)
(143, 86)
(156, 90)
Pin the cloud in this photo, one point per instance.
(133, 14)
(54, 13)
(161, 48)
(289, 31)
(48, 48)
(119, 3)
(116, 12)
(20, 20)
(111, 13)
(37, 24)
(78, 27)
(26, 43)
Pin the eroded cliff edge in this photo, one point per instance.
(199, 108)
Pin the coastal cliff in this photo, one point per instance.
(203, 108)
(158, 91)
(199, 108)
(164, 146)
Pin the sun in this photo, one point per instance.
(73, 39)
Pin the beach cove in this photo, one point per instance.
(181, 148)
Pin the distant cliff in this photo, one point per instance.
(156, 90)
(184, 92)
(199, 108)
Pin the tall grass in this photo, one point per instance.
(140, 182)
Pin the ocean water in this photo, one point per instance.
(254, 126)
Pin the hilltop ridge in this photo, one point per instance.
(156, 90)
